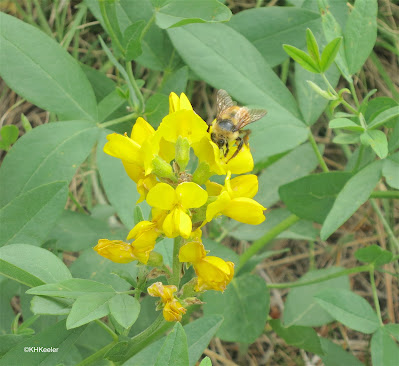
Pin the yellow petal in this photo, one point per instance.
(192, 252)
(165, 292)
(177, 223)
(245, 210)
(162, 196)
(242, 163)
(217, 207)
(123, 147)
(115, 250)
(135, 171)
(191, 195)
(141, 131)
(208, 152)
(174, 102)
(173, 311)
(213, 188)
(213, 273)
(168, 226)
(244, 186)
(184, 102)
(141, 227)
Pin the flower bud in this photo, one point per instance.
(163, 169)
(202, 173)
(182, 156)
(155, 259)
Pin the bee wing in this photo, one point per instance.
(223, 101)
(247, 116)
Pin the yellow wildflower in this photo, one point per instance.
(165, 292)
(115, 250)
(173, 311)
(235, 200)
(177, 202)
(178, 103)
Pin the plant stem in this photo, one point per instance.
(345, 272)
(329, 86)
(175, 277)
(385, 223)
(385, 194)
(42, 18)
(259, 244)
(97, 355)
(136, 88)
(108, 26)
(317, 152)
(359, 159)
(347, 105)
(107, 329)
(375, 296)
(118, 120)
(147, 27)
(354, 95)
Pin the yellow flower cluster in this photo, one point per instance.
(171, 167)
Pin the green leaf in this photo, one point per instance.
(393, 329)
(47, 306)
(346, 138)
(156, 108)
(355, 192)
(72, 288)
(29, 217)
(334, 355)
(75, 231)
(302, 230)
(48, 153)
(247, 78)
(206, 362)
(393, 143)
(9, 134)
(301, 337)
(377, 140)
(385, 117)
(390, 170)
(132, 39)
(181, 12)
(360, 33)
(376, 106)
(56, 336)
(112, 104)
(19, 262)
(268, 28)
(384, 350)
(8, 341)
(87, 308)
(323, 93)
(329, 53)
(175, 81)
(302, 58)
(296, 164)
(92, 266)
(101, 84)
(313, 47)
(349, 309)
(244, 306)
(345, 124)
(118, 189)
(125, 309)
(174, 351)
(300, 306)
(40, 70)
(374, 254)
(313, 196)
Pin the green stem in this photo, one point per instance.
(136, 88)
(317, 152)
(74, 26)
(329, 86)
(354, 95)
(78, 205)
(42, 18)
(375, 296)
(107, 329)
(175, 277)
(386, 225)
(108, 26)
(117, 121)
(345, 272)
(359, 159)
(259, 244)
(147, 27)
(285, 66)
(259, 3)
(385, 194)
(99, 355)
(347, 105)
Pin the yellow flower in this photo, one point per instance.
(177, 104)
(165, 292)
(173, 311)
(115, 250)
(177, 202)
(213, 273)
(134, 152)
(235, 200)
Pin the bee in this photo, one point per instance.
(230, 120)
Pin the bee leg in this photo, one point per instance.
(238, 148)
(246, 136)
(209, 127)
(227, 149)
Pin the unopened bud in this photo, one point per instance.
(163, 169)
(182, 152)
(202, 173)
(325, 94)
(155, 259)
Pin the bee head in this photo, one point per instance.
(218, 140)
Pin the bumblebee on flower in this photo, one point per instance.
(182, 197)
